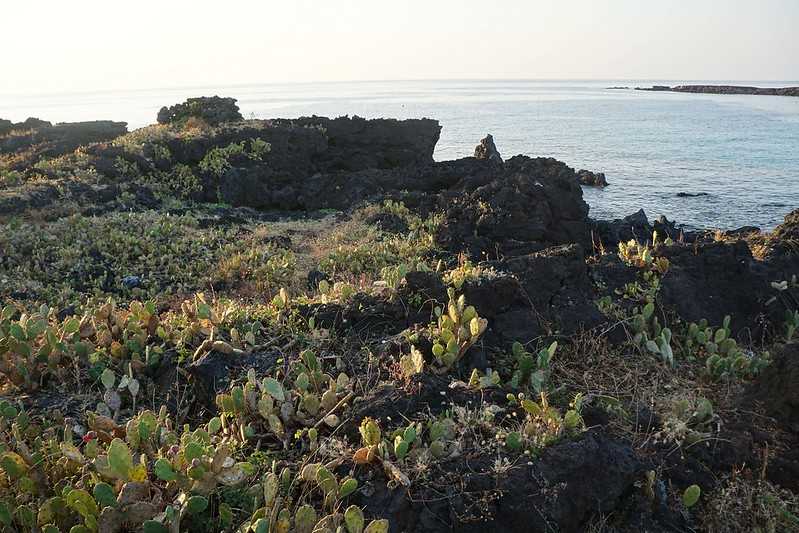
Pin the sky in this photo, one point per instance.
(85, 45)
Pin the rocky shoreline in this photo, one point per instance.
(724, 89)
(327, 329)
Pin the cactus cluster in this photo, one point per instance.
(148, 473)
(543, 424)
(467, 272)
(648, 333)
(105, 481)
(39, 345)
(641, 255)
(281, 509)
(272, 407)
(532, 371)
(457, 329)
(375, 449)
(339, 292)
(723, 357)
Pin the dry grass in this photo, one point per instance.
(740, 505)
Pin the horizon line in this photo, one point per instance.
(399, 80)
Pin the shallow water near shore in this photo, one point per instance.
(741, 151)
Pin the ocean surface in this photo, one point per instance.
(740, 153)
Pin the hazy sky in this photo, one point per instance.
(55, 45)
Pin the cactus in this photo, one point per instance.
(543, 424)
(456, 331)
(723, 357)
(791, 323)
(532, 372)
(412, 363)
(691, 496)
(661, 346)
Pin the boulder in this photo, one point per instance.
(777, 386)
(609, 233)
(557, 286)
(214, 110)
(487, 150)
(533, 295)
(357, 143)
(571, 483)
(591, 179)
(523, 207)
(713, 280)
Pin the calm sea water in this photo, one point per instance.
(743, 151)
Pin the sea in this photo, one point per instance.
(735, 156)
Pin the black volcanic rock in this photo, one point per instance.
(38, 139)
(523, 207)
(538, 294)
(609, 233)
(713, 280)
(592, 179)
(487, 150)
(725, 89)
(214, 110)
(776, 386)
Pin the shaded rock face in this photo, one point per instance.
(523, 207)
(777, 386)
(592, 179)
(783, 253)
(556, 284)
(541, 294)
(789, 229)
(487, 150)
(214, 110)
(356, 143)
(533, 295)
(609, 233)
(714, 280)
(39, 139)
(477, 500)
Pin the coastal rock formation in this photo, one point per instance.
(607, 468)
(691, 194)
(552, 294)
(592, 179)
(609, 233)
(487, 150)
(714, 280)
(278, 300)
(33, 139)
(777, 389)
(526, 206)
(357, 143)
(526, 297)
(214, 110)
(725, 89)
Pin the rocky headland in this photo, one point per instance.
(725, 89)
(309, 324)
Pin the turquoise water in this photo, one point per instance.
(743, 151)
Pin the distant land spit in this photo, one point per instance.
(724, 89)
